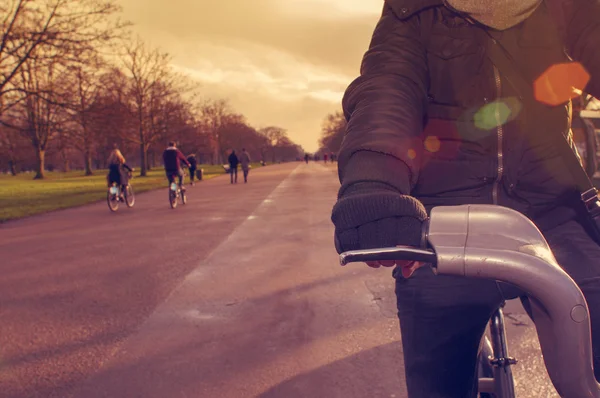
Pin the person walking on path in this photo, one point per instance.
(245, 162)
(233, 165)
(193, 166)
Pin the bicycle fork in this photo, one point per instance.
(501, 361)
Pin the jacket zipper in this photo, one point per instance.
(500, 131)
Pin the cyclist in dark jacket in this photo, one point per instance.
(172, 159)
(420, 134)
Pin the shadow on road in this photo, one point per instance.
(357, 376)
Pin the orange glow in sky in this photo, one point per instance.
(284, 63)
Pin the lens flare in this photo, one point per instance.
(560, 83)
(412, 154)
(432, 143)
(497, 113)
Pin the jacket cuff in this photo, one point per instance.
(370, 166)
(360, 209)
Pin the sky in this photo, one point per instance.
(278, 62)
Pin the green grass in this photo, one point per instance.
(21, 196)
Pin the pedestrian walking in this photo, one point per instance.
(193, 167)
(245, 163)
(233, 165)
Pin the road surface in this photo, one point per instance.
(236, 294)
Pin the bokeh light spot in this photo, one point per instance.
(497, 113)
(560, 83)
(412, 154)
(432, 143)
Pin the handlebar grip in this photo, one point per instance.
(399, 253)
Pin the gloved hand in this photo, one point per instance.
(374, 215)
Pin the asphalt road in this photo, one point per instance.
(236, 294)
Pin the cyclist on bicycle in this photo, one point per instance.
(117, 169)
(431, 121)
(172, 159)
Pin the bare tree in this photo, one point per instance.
(42, 111)
(29, 28)
(214, 114)
(14, 148)
(332, 131)
(276, 136)
(151, 81)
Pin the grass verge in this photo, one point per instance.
(21, 196)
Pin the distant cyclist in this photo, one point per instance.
(118, 169)
(172, 159)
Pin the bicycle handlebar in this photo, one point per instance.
(399, 253)
(497, 243)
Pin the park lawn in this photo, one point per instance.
(21, 196)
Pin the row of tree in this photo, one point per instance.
(332, 134)
(73, 82)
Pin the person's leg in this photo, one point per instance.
(231, 173)
(235, 170)
(180, 178)
(170, 177)
(442, 321)
(579, 256)
(245, 170)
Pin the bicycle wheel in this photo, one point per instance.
(129, 196)
(112, 199)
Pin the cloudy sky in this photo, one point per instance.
(279, 62)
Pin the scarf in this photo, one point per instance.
(497, 14)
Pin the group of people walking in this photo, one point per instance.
(234, 161)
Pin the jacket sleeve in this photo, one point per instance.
(385, 107)
(582, 37)
(182, 157)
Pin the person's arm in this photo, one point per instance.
(582, 36)
(379, 159)
(385, 107)
(181, 157)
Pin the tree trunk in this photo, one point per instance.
(40, 165)
(13, 167)
(88, 163)
(143, 161)
(66, 165)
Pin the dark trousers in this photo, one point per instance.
(245, 170)
(233, 170)
(443, 318)
(192, 173)
(172, 173)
